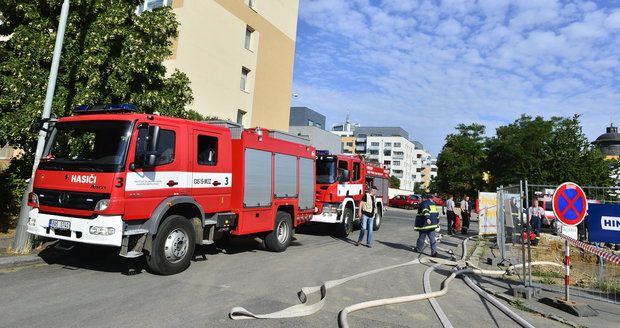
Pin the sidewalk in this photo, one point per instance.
(9, 260)
(608, 311)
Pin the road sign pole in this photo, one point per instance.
(567, 273)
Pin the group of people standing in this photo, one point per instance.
(426, 221)
(465, 207)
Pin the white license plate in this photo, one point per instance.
(61, 225)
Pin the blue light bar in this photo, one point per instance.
(322, 152)
(109, 108)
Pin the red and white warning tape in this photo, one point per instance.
(613, 258)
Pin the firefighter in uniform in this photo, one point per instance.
(426, 222)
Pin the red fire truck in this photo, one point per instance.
(341, 182)
(160, 186)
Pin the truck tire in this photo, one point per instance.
(376, 223)
(346, 226)
(279, 239)
(173, 246)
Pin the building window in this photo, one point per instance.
(207, 150)
(148, 5)
(387, 153)
(310, 123)
(244, 78)
(252, 4)
(396, 163)
(373, 152)
(318, 125)
(374, 144)
(387, 162)
(397, 145)
(240, 114)
(388, 144)
(248, 37)
(349, 144)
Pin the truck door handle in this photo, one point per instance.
(172, 183)
(216, 183)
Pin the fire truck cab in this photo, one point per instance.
(160, 185)
(341, 182)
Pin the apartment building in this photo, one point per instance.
(311, 124)
(346, 132)
(391, 147)
(238, 55)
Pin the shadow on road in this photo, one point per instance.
(396, 245)
(106, 259)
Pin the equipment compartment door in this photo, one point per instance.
(211, 180)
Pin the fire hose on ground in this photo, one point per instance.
(461, 267)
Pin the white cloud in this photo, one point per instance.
(421, 64)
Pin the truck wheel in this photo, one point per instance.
(279, 239)
(376, 223)
(346, 226)
(173, 246)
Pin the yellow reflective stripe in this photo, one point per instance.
(433, 208)
(429, 227)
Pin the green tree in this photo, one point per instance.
(110, 55)
(517, 151)
(460, 163)
(545, 152)
(394, 182)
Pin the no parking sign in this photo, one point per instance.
(570, 204)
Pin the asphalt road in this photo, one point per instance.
(99, 293)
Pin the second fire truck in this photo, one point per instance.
(341, 182)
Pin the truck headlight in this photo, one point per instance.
(102, 231)
(102, 205)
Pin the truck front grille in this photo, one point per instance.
(69, 199)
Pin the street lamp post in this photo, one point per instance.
(23, 241)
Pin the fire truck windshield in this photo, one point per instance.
(96, 146)
(326, 171)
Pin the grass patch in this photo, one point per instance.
(608, 286)
(547, 281)
(546, 274)
(519, 304)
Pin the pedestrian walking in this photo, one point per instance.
(451, 215)
(366, 214)
(536, 214)
(465, 214)
(426, 222)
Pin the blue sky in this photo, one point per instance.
(429, 65)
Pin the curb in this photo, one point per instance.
(19, 260)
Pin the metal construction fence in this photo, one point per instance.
(594, 272)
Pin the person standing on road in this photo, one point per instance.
(366, 215)
(537, 214)
(465, 214)
(426, 222)
(451, 215)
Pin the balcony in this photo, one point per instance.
(360, 140)
(398, 156)
(360, 148)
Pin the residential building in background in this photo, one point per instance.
(391, 147)
(238, 55)
(346, 132)
(304, 116)
(311, 124)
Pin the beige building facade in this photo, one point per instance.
(239, 56)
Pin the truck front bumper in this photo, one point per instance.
(109, 228)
